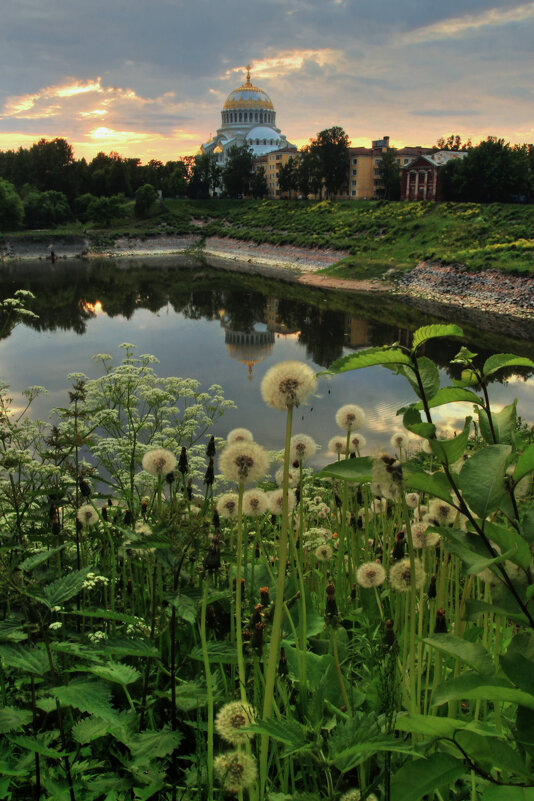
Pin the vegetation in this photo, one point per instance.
(171, 631)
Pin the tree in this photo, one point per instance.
(492, 172)
(332, 149)
(390, 176)
(237, 172)
(308, 172)
(144, 198)
(46, 209)
(104, 209)
(287, 177)
(177, 182)
(452, 142)
(205, 175)
(259, 183)
(11, 207)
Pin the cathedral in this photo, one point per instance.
(248, 117)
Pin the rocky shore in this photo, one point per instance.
(445, 289)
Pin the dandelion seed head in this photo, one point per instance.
(255, 503)
(357, 442)
(400, 575)
(293, 477)
(442, 512)
(227, 504)
(412, 500)
(243, 462)
(239, 435)
(399, 441)
(350, 417)
(231, 719)
(159, 462)
(87, 515)
(337, 444)
(288, 384)
(143, 529)
(324, 552)
(303, 448)
(236, 770)
(422, 537)
(274, 499)
(370, 574)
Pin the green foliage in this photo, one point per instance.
(11, 207)
(145, 197)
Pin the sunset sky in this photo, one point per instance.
(148, 78)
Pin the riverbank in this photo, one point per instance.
(448, 290)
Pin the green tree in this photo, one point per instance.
(308, 172)
(46, 209)
(11, 207)
(287, 177)
(145, 197)
(104, 209)
(177, 179)
(237, 172)
(390, 176)
(205, 175)
(492, 172)
(332, 149)
(259, 183)
(452, 142)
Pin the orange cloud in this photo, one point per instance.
(285, 62)
(455, 26)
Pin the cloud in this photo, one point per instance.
(444, 112)
(456, 26)
(286, 62)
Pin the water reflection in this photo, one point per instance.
(222, 328)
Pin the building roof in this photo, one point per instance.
(248, 96)
(438, 158)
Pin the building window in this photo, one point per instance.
(406, 161)
(256, 116)
(377, 161)
(240, 116)
(354, 172)
(353, 193)
(354, 161)
(397, 161)
(354, 183)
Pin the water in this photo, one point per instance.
(228, 329)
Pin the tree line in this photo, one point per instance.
(44, 185)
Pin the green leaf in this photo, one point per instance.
(190, 695)
(12, 718)
(450, 450)
(518, 661)
(504, 424)
(527, 524)
(115, 672)
(65, 588)
(34, 561)
(472, 653)
(494, 792)
(93, 697)
(26, 658)
(89, 729)
(500, 360)
(451, 395)
(418, 777)
(368, 358)
(474, 687)
(525, 463)
(481, 479)
(412, 422)
(438, 727)
(105, 614)
(428, 373)
(511, 542)
(36, 746)
(358, 469)
(127, 646)
(427, 332)
(287, 731)
(186, 608)
(473, 609)
(434, 484)
(351, 757)
(149, 745)
(492, 754)
(218, 652)
(10, 630)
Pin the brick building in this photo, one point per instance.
(420, 178)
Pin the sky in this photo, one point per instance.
(149, 78)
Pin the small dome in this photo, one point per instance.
(262, 132)
(248, 96)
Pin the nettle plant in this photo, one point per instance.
(468, 696)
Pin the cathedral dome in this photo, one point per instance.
(248, 96)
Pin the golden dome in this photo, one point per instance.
(248, 96)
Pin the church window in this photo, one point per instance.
(256, 116)
(265, 141)
(261, 117)
(240, 116)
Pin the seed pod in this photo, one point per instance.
(441, 622)
(189, 489)
(169, 478)
(257, 637)
(389, 634)
(85, 489)
(331, 605)
(183, 466)
(398, 546)
(209, 475)
(283, 668)
(432, 592)
(264, 596)
(210, 450)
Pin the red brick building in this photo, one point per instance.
(420, 179)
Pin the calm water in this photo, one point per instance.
(226, 329)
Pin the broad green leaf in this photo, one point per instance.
(190, 695)
(115, 672)
(474, 687)
(186, 608)
(492, 754)
(358, 469)
(412, 422)
(428, 373)
(105, 614)
(503, 792)
(500, 360)
(350, 758)
(504, 424)
(319, 668)
(450, 450)
(65, 588)
(368, 358)
(418, 777)
(525, 463)
(511, 542)
(89, 729)
(432, 726)
(527, 524)
(427, 332)
(434, 484)
(287, 730)
(481, 479)
(93, 697)
(472, 653)
(26, 658)
(149, 745)
(145, 793)
(218, 652)
(128, 646)
(36, 746)
(451, 395)
(10, 630)
(12, 718)
(474, 609)
(519, 670)
(40, 558)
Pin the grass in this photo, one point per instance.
(372, 237)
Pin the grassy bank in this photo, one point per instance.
(378, 236)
